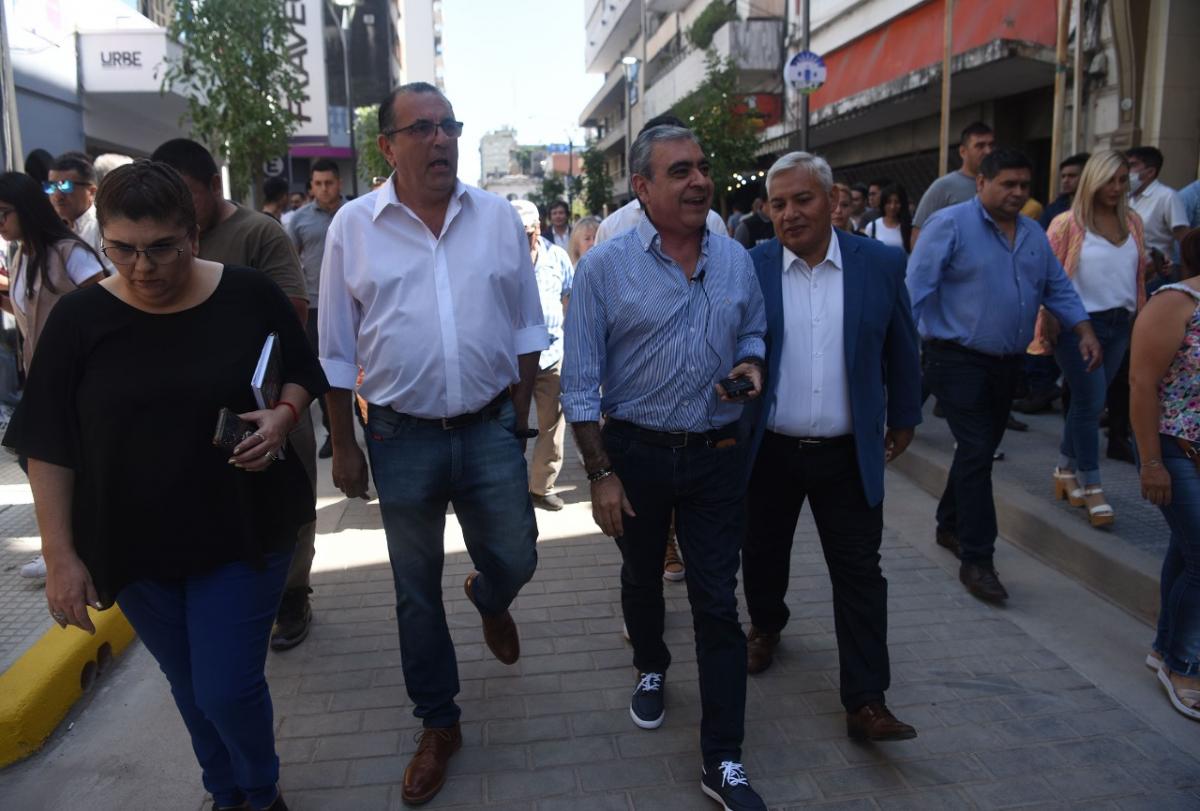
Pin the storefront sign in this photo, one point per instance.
(123, 61)
(805, 71)
(306, 52)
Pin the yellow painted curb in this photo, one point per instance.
(39, 688)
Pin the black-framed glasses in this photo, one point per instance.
(424, 129)
(64, 186)
(155, 254)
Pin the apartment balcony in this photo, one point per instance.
(610, 27)
(613, 139)
(608, 98)
(753, 45)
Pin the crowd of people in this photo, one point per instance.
(715, 374)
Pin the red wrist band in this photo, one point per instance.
(291, 408)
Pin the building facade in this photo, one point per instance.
(879, 112)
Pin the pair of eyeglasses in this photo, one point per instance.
(64, 186)
(424, 129)
(155, 254)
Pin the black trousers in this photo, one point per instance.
(705, 489)
(851, 531)
(976, 393)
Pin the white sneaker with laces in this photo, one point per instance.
(35, 569)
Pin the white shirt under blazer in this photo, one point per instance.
(813, 387)
(436, 321)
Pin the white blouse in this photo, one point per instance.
(1106, 278)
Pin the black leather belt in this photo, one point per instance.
(488, 412)
(809, 442)
(955, 346)
(720, 437)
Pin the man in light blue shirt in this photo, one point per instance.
(554, 274)
(659, 316)
(977, 278)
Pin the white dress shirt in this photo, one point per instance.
(1161, 211)
(629, 215)
(435, 321)
(812, 395)
(87, 227)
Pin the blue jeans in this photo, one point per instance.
(419, 468)
(1178, 637)
(1080, 447)
(209, 634)
(705, 489)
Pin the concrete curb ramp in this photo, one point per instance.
(1109, 566)
(38, 690)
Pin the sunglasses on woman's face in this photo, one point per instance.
(64, 186)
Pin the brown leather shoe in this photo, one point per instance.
(875, 722)
(760, 650)
(426, 771)
(982, 582)
(948, 540)
(499, 632)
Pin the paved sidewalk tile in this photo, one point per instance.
(1003, 722)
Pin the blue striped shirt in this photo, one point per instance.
(653, 341)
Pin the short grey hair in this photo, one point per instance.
(815, 165)
(643, 146)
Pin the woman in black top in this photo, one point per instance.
(135, 503)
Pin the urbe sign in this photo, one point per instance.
(121, 59)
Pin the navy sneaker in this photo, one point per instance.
(727, 784)
(646, 707)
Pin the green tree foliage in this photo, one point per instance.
(729, 138)
(371, 162)
(715, 15)
(236, 74)
(597, 187)
(553, 188)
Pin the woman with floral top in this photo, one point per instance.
(1164, 380)
(1100, 245)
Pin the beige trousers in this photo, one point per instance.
(548, 447)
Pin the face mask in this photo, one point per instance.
(1135, 180)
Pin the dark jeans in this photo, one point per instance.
(705, 488)
(419, 468)
(1041, 373)
(209, 635)
(1178, 637)
(851, 531)
(976, 392)
(310, 329)
(1080, 447)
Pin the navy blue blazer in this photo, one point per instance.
(882, 348)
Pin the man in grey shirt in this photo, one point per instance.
(307, 228)
(956, 187)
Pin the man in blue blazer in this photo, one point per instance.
(842, 396)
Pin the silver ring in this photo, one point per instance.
(58, 615)
(271, 456)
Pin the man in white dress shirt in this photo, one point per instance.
(1160, 207)
(843, 395)
(427, 286)
(72, 188)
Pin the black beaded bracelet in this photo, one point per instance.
(602, 473)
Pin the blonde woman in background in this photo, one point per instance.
(1100, 245)
(583, 237)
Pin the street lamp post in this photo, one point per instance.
(348, 7)
(629, 62)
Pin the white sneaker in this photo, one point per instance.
(35, 569)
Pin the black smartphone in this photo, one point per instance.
(736, 387)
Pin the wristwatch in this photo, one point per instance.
(526, 433)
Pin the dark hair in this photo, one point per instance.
(387, 115)
(41, 227)
(880, 182)
(559, 204)
(1001, 159)
(664, 120)
(973, 129)
(860, 188)
(188, 158)
(37, 165)
(1149, 155)
(78, 163)
(896, 190)
(275, 189)
(146, 190)
(1189, 253)
(324, 165)
(1079, 160)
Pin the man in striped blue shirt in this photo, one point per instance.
(659, 316)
